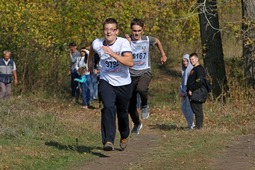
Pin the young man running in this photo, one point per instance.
(141, 71)
(115, 83)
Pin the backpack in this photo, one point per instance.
(206, 84)
(200, 95)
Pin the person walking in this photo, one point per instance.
(74, 55)
(195, 82)
(186, 108)
(141, 71)
(8, 74)
(114, 84)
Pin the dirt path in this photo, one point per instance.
(239, 156)
(139, 146)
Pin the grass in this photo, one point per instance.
(184, 149)
(53, 133)
(42, 134)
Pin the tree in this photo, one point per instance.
(248, 28)
(212, 50)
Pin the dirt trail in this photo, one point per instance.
(239, 156)
(139, 146)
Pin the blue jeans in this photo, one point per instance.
(85, 92)
(93, 86)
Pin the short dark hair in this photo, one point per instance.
(111, 21)
(72, 44)
(137, 21)
(193, 54)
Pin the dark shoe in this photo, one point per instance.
(123, 143)
(108, 146)
(136, 129)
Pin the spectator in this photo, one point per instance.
(74, 54)
(186, 108)
(194, 83)
(7, 73)
(82, 67)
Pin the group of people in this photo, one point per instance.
(118, 70)
(81, 79)
(192, 79)
(125, 72)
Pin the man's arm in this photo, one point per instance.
(15, 77)
(90, 59)
(161, 50)
(126, 58)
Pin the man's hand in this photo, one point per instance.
(190, 93)
(108, 50)
(128, 37)
(15, 82)
(163, 59)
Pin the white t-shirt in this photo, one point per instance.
(112, 71)
(80, 62)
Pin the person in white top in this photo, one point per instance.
(114, 85)
(82, 61)
(141, 71)
(7, 73)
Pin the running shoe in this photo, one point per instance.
(123, 143)
(108, 146)
(136, 129)
(145, 112)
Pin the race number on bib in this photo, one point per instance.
(137, 56)
(111, 64)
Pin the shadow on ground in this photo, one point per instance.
(165, 127)
(76, 148)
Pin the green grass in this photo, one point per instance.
(37, 134)
(49, 133)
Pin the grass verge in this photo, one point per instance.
(45, 134)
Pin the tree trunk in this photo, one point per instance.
(248, 28)
(212, 51)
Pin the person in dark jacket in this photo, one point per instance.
(194, 83)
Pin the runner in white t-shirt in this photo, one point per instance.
(115, 83)
(141, 71)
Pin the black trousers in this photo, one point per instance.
(197, 109)
(139, 85)
(115, 100)
(75, 92)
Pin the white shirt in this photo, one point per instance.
(140, 50)
(112, 71)
(80, 62)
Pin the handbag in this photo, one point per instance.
(199, 95)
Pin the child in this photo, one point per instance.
(186, 108)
